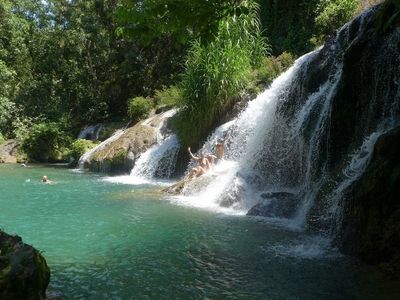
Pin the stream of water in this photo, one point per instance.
(104, 240)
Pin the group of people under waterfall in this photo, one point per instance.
(204, 162)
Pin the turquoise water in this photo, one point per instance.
(109, 241)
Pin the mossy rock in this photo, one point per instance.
(24, 273)
(119, 155)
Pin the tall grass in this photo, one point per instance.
(216, 73)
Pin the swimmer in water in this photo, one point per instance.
(46, 179)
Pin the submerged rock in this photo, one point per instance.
(24, 273)
(275, 204)
(176, 188)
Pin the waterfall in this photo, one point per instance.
(156, 165)
(91, 132)
(158, 161)
(289, 155)
(218, 188)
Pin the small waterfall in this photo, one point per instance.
(86, 157)
(91, 132)
(159, 161)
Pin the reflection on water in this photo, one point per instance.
(110, 241)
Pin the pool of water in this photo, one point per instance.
(104, 240)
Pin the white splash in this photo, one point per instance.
(311, 247)
(157, 162)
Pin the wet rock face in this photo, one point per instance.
(347, 94)
(275, 205)
(119, 155)
(371, 224)
(24, 273)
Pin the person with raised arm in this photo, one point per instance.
(203, 165)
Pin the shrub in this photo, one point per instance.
(46, 142)
(78, 148)
(332, 14)
(272, 67)
(171, 96)
(1, 139)
(139, 108)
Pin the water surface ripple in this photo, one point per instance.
(110, 241)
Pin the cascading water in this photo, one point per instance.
(221, 185)
(159, 161)
(91, 132)
(285, 149)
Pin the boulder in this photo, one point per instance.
(8, 151)
(176, 188)
(275, 204)
(24, 273)
(119, 155)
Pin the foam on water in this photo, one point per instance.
(206, 192)
(310, 247)
(137, 180)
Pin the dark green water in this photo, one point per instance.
(109, 241)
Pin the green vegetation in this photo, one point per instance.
(298, 26)
(271, 67)
(216, 73)
(1, 139)
(139, 108)
(46, 142)
(333, 14)
(79, 62)
(147, 20)
(78, 148)
(171, 96)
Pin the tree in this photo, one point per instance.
(150, 19)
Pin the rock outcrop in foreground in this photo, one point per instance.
(24, 274)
